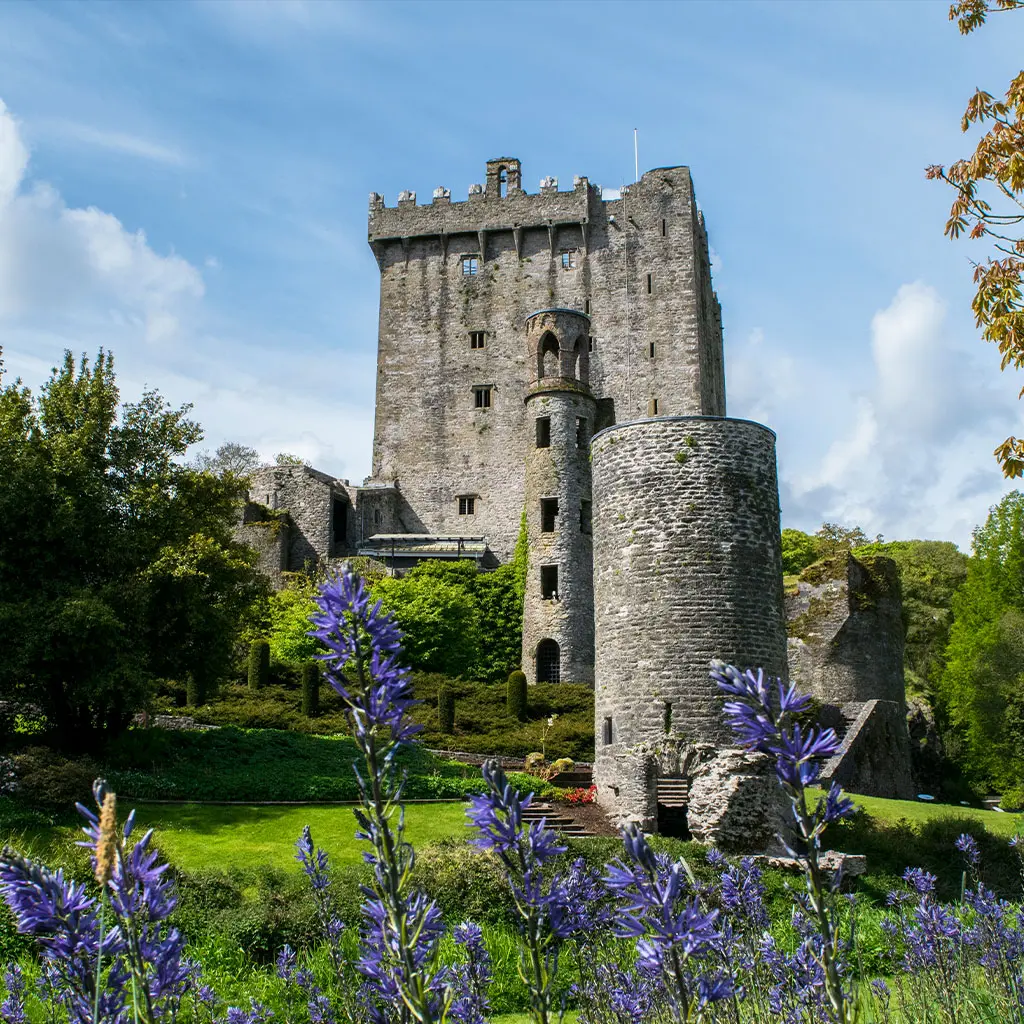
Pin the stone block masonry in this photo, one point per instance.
(687, 568)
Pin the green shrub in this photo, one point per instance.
(563, 764)
(534, 761)
(1013, 799)
(195, 691)
(49, 779)
(446, 709)
(311, 689)
(259, 664)
(515, 699)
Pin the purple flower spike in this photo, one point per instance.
(968, 846)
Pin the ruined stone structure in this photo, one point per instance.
(845, 623)
(687, 568)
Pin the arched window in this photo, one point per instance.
(502, 182)
(549, 662)
(547, 356)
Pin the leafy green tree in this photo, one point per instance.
(989, 204)
(230, 457)
(980, 687)
(834, 539)
(117, 562)
(799, 550)
(289, 612)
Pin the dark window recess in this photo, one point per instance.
(548, 515)
(590, 344)
(652, 407)
(549, 582)
(586, 516)
(339, 520)
(586, 306)
(470, 266)
(652, 349)
(606, 732)
(482, 398)
(667, 717)
(650, 284)
(582, 437)
(378, 518)
(568, 259)
(467, 505)
(543, 431)
(477, 339)
(549, 662)
(664, 228)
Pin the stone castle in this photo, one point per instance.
(553, 361)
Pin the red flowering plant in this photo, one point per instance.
(580, 795)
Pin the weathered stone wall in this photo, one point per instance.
(846, 633)
(267, 534)
(559, 471)
(638, 264)
(687, 568)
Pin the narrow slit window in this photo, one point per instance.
(482, 397)
(652, 407)
(667, 717)
(664, 228)
(651, 350)
(586, 517)
(548, 514)
(470, 266)
(477, 339)
(582, 437)
(568, 259)
(543, 431)
(467, 505)
(650, 284)
(590, 344)
(549, 582)
(606, 732)
(586, 306)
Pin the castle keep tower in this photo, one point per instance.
(458, 284)
(558, 607)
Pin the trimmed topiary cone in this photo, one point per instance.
(195, 692)
(446, 710)
(515, 698)
(259, 664)
(311, 689)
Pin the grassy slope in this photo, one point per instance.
(920, 812)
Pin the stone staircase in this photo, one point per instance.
(673, 792)
(557, 822)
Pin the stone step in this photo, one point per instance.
(673, 793)
(560, 823)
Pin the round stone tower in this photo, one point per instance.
(687, 568)
(558, 606)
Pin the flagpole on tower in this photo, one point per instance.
(636, 159)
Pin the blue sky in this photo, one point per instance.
(186, 184)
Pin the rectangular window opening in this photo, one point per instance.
(470, 266)
(586, 306)
(543, 431)
(549, 582)
(568, 259)
(548, 515)
(339, 521)
(477, 339)
(482, 397)
(586, 517)
(652, 349)
(582, 438)
(590, 344)
(650, 284)
(667, 717)
(664, 228)
(467, 505)
(606, 732)
(652, 407)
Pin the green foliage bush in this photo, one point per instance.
(47, 778)
(311, 689)
(799, 550)
(515, 697)
(259, 664)
(446, 709)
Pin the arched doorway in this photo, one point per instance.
(549, 662)
(547, 357)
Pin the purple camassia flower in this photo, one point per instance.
(629, 996)
(661, 912)
(968, 846)
(12, 1009)
(471, 979)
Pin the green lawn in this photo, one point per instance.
(920, 812)
(195, 837)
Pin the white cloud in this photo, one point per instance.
(914, 458)
(115, 141)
